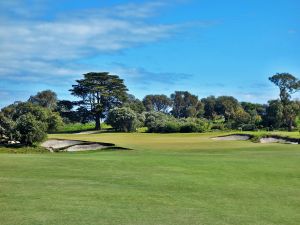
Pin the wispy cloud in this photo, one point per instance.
(45, 48)
(52, 46)
(143, 77)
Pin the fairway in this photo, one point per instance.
(164, 179)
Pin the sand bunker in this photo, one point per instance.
(58, 144)
(232, 138)
(270, 139)
(276, 140)
(85, 147)
(73, 146)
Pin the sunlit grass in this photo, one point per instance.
(165, 179)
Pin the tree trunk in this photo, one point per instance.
(97, 120)
(290, 125)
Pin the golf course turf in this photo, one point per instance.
(164, 179)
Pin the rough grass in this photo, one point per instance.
(166, 179)
(79, 127)
(23, 150)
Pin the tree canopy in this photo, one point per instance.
(185, 104)
(99, 92)
(158, 103)
(47, 99)
(288, 85)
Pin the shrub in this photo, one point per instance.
(249, 127)
(171, 127)
(122, 119)
(219, 126)
(54, 122)
(7, 128)
(140, 119)
(44, 115)
(29, 130)
(189, 127)
(157, 122)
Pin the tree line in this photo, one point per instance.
(102, 96)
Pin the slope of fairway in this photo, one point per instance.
(165, 179)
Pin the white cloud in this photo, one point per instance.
(143, 77)
(32, 47)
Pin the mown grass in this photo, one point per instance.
(165, 179)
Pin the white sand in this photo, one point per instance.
(86, 147)
(56, 144)
(276, 140)
(71, 145)
(232, 138)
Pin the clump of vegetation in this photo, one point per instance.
(29, 130)
(122, 119)
(76, 127)
(28, 122)
(158, 122)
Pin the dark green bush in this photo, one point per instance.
(249, 127)
(122, 119)
(44, 115)
(54, 122)
(219, 126)
(171, 127)
(161, 123)
(29, 130)
(7, 128)
(189, 127)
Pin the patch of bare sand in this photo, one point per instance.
(232, 138)
(85, 147)
(57, 144)
(73, 145)
(276, 140)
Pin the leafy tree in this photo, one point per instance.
(134, 103)
(83, 115)
(185, 104)
(288, 85)
(30, 130)
(65, 106)
(47, 99)
(44, 115)
(158, 103)
(122, 119)
(241, 118)
(65, 109)
(7, 128)
(209, 107)
(227, 106)
(250, 107)
(256, 112)
(274, 114)
(99, 92)
(54, 121)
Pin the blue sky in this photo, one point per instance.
(203, 46)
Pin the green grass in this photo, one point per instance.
(23, 150)
(166, 179)
(294, 134)
(79, 127)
